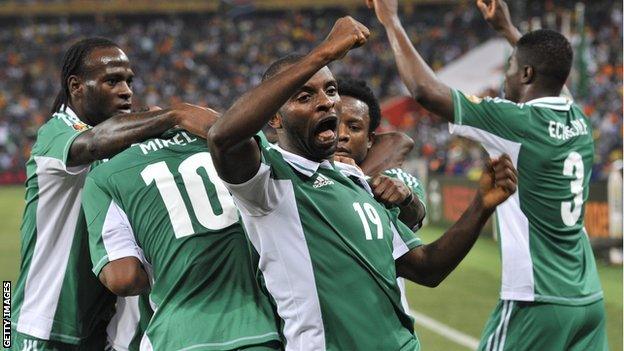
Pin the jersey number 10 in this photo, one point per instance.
(196, 190)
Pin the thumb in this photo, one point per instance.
(370, 4)
(482, 7)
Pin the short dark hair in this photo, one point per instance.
(358, 89)
(73, 64)
(280, 64)
(549, 52)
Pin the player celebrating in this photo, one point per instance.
(59, 304)
(161, 202)
(551, 298)
(327, 248)
(359, 117)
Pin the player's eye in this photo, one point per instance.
(331, 91)
(303, 98)
(111, 82)
(355, 127)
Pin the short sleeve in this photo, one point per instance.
(110, 234)
(259, 195)
(56, 138)
(403, 239)
(496, 123)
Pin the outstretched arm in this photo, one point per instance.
(235, 155)
(496, 13)
(119, 132)
(419, 78)
(430, 264)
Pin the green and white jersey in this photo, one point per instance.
(419, 191)
(546, 253)
(57, 297)
(162, 199)
(327, 252)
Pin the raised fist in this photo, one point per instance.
(346, 34)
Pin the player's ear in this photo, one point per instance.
(528, 75)
(371, 140)
(276, 121)
(74, 85)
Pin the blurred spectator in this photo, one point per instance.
(210, 59)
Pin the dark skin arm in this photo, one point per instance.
(119, 132)
(419, 78)
(388, 151)
(125, 277)
(430, 264)
(235, 154)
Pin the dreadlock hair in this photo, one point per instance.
(74, 64)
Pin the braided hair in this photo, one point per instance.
(74, 64)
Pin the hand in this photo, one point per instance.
(347, 160)
(195, 119)
(496, 13)
(346, 34)
(386, 10)
(389, 191)
(498, 182)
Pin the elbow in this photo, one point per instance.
(216, 139)
(130, 282)
(431, 282)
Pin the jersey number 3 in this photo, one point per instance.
(571, 210)
(196, 190)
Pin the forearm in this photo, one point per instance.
(117, 133)
(511, 34)
(388, 151)
(419, 78)
(438, 259)
(413, 213)
(255, 108)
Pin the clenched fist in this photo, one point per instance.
(346, 34)
(389, 191)
(498, 182)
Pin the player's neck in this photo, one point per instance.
(536, 92)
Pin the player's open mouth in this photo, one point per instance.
(125, 108)
(325, 131)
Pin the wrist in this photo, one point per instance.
(480, 207)
(320, 56)
(408, 200)
(392, 23)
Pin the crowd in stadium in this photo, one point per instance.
(181, 59)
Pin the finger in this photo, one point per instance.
(482, 7)
(370, 4)
(395, 197)
(381, 188)
(375, 181)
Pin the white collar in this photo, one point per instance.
(309, 167)
(73, 117)
(558, 103)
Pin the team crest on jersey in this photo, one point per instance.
(80, 126)
(474, 99)
(322, 181)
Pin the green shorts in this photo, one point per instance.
(518, 325)
(23, 342)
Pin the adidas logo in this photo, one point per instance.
(321, 181)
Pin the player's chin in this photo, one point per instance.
(324, 150)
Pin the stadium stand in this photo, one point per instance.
(179, 56)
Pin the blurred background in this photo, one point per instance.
(210, 52)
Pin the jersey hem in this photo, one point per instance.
(560, 300)
(39, 333)
(236, 343)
